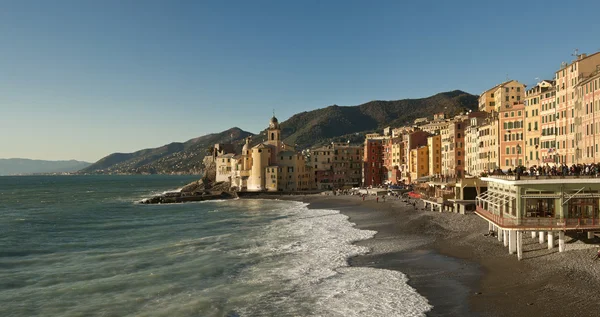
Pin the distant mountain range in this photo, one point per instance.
(19, 166)
(305, 130)
(173, 158)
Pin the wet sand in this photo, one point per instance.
(463, 273)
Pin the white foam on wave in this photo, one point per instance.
(306, 256)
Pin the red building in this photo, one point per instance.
(373, 162)
(324, 179)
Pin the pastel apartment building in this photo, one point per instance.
(589, 112)
(434, 146)
(512, 136)
(533, 125)
(568, 103)
(419, 162)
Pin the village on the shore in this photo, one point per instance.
(525, 161)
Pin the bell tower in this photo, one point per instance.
(274, 133)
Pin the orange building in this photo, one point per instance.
(512, 144)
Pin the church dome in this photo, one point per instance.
(273, 124)
(246, 146)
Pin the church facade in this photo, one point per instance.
(269, 166)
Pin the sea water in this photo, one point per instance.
(81, 246)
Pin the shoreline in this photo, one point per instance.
(463, 273)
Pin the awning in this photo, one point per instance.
(414, 195)
(495, 198)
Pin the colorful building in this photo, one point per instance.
(567, 102)
(434, 145)
(548, 119)
(588, 91)
(512, 142)
(507, 93)
(419, 162)
(372, 171)
(534, 97)
(489, 142)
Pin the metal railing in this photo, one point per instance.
(531, 177)
(545, 223)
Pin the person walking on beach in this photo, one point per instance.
(597, 255)
(377, 199)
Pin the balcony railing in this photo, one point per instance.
(532, 177)
(549, 223)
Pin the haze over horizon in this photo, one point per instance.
(81, 80)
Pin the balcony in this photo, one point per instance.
(539, 223)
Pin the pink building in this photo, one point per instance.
(589, 127)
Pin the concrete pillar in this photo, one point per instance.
(512, 241)
(533, 234)
(561, 241)
(542, 239)
(462, 209)
(590, 235)
(499, 234)
(490, 226)
(550, 240)
(519, 245)
(432, 206)
(505, 237)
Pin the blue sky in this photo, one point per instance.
(83, 79)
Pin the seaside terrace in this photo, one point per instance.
(542, 205)
(450, 194)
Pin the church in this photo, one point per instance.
(268, 166)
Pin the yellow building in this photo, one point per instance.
(290, 174)
(434, 148)
(397, 150)
(533, 120)
(510, 92)
(489, 158)
(419, 162)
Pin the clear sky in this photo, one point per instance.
(82, 79)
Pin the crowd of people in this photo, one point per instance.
(592, 170)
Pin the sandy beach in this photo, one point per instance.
(464, 273)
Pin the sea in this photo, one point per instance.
(83, 246)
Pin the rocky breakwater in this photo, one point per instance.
(196, 191)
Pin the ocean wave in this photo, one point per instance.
(304, 270)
